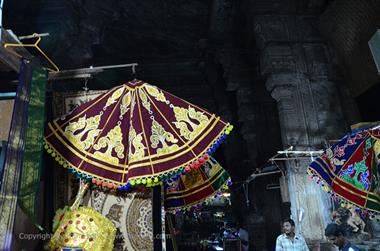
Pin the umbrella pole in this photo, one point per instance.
(79, 198)
(172, 232)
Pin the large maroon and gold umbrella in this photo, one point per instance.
(196, 187)
(134, 135)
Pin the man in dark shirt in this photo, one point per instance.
(336, 235)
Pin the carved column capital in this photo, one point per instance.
(289, 90)
(269, 28)
(282, 85)
(277, 58)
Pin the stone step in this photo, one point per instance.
(370, 245)
(368, 248)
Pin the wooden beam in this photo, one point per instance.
(8, 60)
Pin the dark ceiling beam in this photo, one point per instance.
(9, 61)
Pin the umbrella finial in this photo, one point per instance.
(134, 71)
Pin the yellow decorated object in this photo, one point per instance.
(82, 228)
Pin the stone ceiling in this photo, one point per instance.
(112, 32)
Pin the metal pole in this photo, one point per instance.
(4, 95)
(290, 158)
(34, 36)
(83, 72)
(1, 19)
(255, 175)
(300, 152)
(115, 66)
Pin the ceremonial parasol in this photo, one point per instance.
(196, 187)
(134, 135)
(349, 170)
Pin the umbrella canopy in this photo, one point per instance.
(195, 187)
(349, 170)
(134, 135)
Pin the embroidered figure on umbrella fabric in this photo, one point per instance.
(333, 161)
(376, 167)
(172, 185)
(358, 168)
(75, 131)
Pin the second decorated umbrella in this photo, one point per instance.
(134, 135)
(196, 187)
(349, 170)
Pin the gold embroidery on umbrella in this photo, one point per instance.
(159, 135)
(89, 126)
(115, 95)
(144, 100)
(185, 118)
(157, 94)
(113, 141)
(139, 148)
(376, 148)
(332, 158)
(125, 103)
(192, 179)
(211, 168)
(133, 103)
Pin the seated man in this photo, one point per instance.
(243, 236)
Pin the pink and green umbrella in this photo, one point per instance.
(349, 171)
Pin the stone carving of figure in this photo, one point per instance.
(115, 212)
(356, 222)
(350, 219)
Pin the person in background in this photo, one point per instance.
(289, 240)
(336, 235)
(243, 236)
(227, 232)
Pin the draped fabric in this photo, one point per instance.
(14, 157)
(196, 187)
(134, 135)
(32, 162)
(6, 108)
(349, 170)
(2, 159)
(131, 214)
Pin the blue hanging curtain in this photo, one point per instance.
(14, 156)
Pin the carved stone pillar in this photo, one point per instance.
(298, 121)
(299, 70)
(238, 80)
(246, 118)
